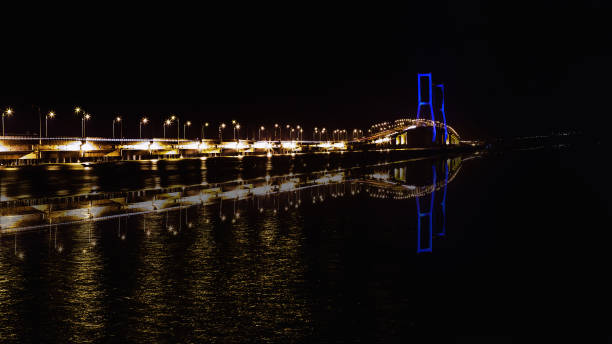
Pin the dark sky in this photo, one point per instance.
(509, 70)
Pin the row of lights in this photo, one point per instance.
(298, 131)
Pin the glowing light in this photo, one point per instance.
(382, 140)
(262, 145)
(76, 146)
(141, 145)
(235, 145)
(288, 144)
(269, 154)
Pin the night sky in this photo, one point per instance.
(509, 70)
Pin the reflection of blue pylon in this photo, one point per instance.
(426, 214)
(443, 203)
(443, 110)
(428, 102)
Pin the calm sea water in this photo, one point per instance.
(327, 248)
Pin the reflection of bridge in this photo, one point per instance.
(24, 150)
(24, 214)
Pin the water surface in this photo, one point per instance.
(302, 249)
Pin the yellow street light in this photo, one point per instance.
(51, 114)
(117, 120)
(144, 121)
(7, 112)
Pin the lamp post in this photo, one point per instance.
(260, 129)
(322, 132)
(221, 126)
(234, 124)
(116, 120)
(288, 131)
(85, 118)
(79, 112)
(144, 121)
(275, 126)
(51, 114)
(166, 123)
(302, 134)
(204, 126)
(187, 124)
(298, 131)
(7, 113)
(237, 127)
(178, 128)
(314, 133)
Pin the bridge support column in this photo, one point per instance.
(429, 101)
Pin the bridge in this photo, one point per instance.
(27, 150)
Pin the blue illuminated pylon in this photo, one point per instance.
(428, 102)
(428, 214)
(442, 109)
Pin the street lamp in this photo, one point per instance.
(79, 112)
(51, 114)
(260, 129)
(178, 128)
(234, 123)
(144, 121)
(85, 118)
(237, 127)
(221, 126)
(166, 123)
(204, 126)
(7, 113)
(288, 127)
(187, 124)
(275, 126)
(117, 120)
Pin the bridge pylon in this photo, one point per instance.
(429, 101)
(443, 111)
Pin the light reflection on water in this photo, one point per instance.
(200, 261)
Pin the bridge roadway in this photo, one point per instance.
(26, 150)
(74, 149)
